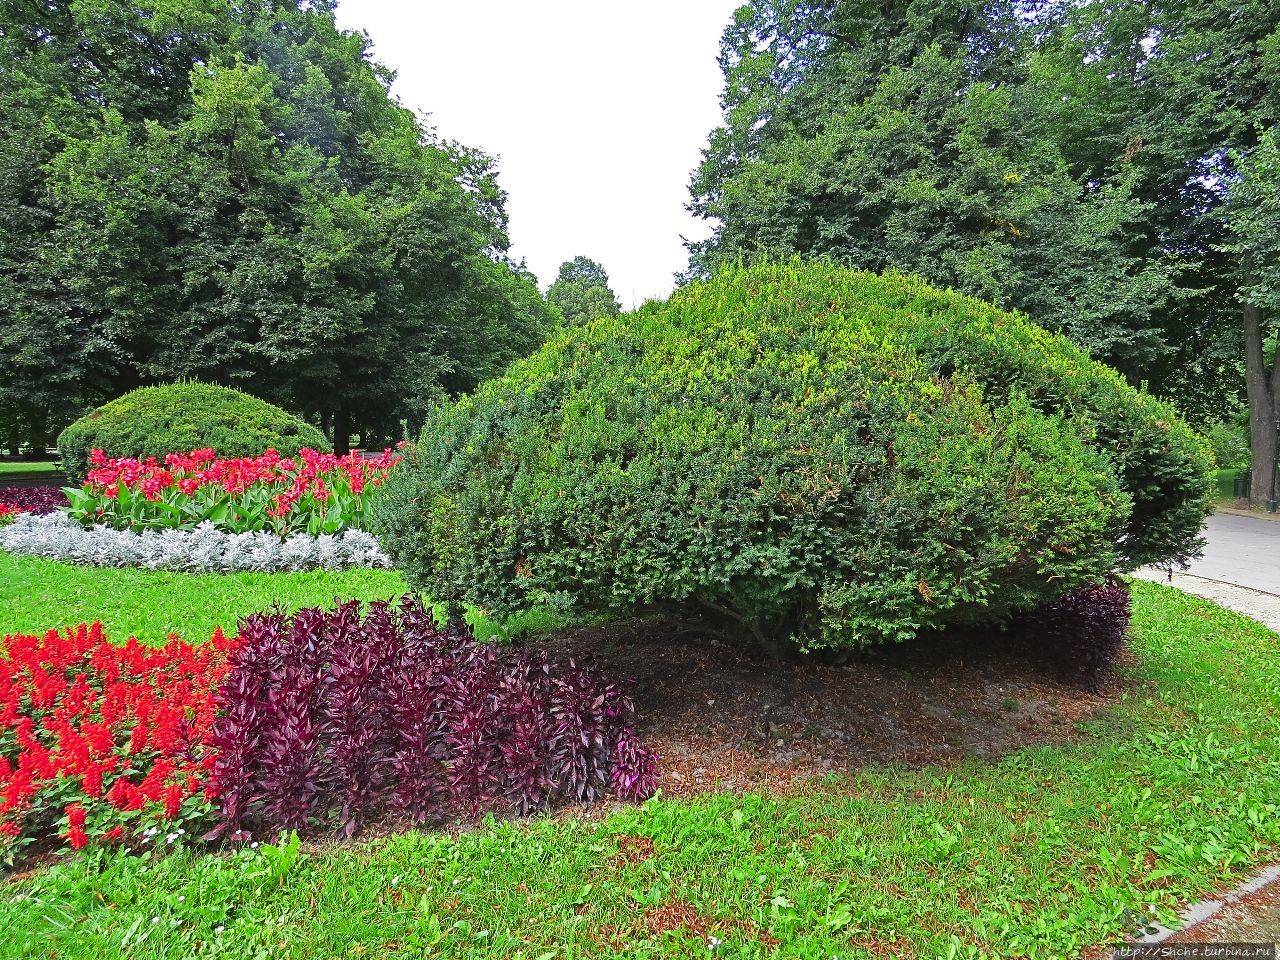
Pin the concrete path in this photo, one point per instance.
(1240, 568)
(1241, 550)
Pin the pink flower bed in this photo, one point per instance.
(312, 493)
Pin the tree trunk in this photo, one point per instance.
(1263, 386)
(341, 433)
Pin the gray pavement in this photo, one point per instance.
(1240, 568)
(1244, 551)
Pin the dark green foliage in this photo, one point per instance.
(181, 417)
(581, 291)
(807, 451)
(229, 192)
(1065, 159)
(911, 136)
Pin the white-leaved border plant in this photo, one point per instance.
(200, 550)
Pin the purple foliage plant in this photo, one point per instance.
(1084, 629)
(38, 500)
(330, 718)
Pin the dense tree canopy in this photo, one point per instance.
(197, 189)
(581, 291)
(1067, 159)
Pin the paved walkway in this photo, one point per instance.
(1241, 550)
(1240, 568)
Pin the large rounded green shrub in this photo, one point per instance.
(804, 450)
(179, 417)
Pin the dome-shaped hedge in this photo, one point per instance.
(808, 450)
(179, 417)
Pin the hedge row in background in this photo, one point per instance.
(799, 451)
(154, 421)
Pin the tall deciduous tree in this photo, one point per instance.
(909, 136)
(1252, 216)
(1064, 158)
(581, 291)
(230, 192)
(1184, 93)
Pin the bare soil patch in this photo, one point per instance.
(726, 717)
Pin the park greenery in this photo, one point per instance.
(1043, 854)
(181, 417)
(1106, 168)
(581, 291)
(987, 293)
(804, 452)
(194, 189)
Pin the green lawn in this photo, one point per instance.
(26, 466)
(1171, 793)
(37, 594)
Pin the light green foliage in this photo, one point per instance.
(1168, 796)
(581, 292)
(8, 467)
(814, 452)
(191, 188)
(179, 418)
(37, 595)
(1252, 220)
(1230, 443)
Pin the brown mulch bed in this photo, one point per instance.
(728, 717)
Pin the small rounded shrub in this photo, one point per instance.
(802, 451)
(180, 417)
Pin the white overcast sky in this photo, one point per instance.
(597, 112)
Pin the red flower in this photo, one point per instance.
(76, 836)
(80, 711)
(172, 800)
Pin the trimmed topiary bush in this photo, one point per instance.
(799, 451)
(179, 417)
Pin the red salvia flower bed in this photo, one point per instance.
(317, 721)
(100, 741)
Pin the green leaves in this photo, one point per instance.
(581, 292)
(795, 451)
(237, 197)
(1065, 160)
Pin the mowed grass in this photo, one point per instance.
(26, 466)
(37, 595)
(1168, 795)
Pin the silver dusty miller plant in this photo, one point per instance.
(201, 550)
